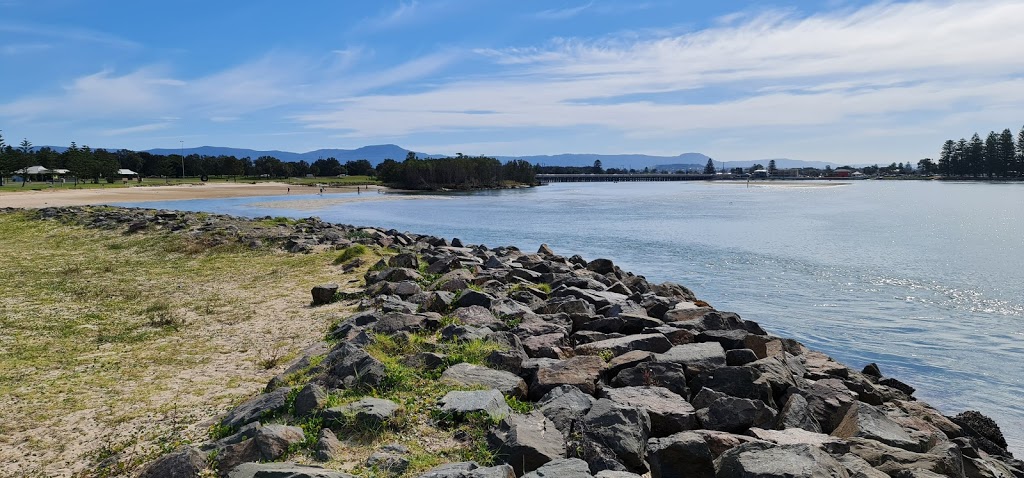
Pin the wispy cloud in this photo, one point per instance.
(24, 48)
(402, 14)
(562, 13)
(142, 128)
(65, 32)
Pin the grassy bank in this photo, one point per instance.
(115, 347)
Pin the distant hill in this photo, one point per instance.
(377, 153)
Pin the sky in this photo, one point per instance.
(856, 82)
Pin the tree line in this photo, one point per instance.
(459, 172)
(998, 155)
(94, 165)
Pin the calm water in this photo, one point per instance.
(924, 278)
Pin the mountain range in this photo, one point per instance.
(377, 153)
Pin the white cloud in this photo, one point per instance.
(142, 128)
(145, 91)
(562, 13)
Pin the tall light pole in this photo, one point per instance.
(182, 158)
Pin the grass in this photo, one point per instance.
(350, 253)
(124, 335)
(333, 181)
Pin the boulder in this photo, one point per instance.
(732, 414)
(527, 441)
(426, 360)
(477, 316)
(470, 375)
(682, 455)
(626, 360)
(793, 436)
(654, 374)
(438, 301)
(739, 382)
(668, 411)
(309, 399)
(394, 322)
(471, 297)
(405, 260)
(796, 414)
(469, 469)
(828, 401)
(737, 357)
(656, 343)
(352, 367)
(695, 357)
(257, 408)
(370, 412)
(327, 446)
(459, 403)
(601, 266)
(865, 421)
(944, 459)
(284, 470)
(185, 462)
(581, 372)
(389, 459)
(765, 460)
(324, 293)
(566, 406)
(622, 429)
(562, 468)
(273, 441)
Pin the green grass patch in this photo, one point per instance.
(350, 253)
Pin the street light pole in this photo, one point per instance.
(182, 158)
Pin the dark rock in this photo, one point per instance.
(527, 441)
(369, 411)
(828, 401)
(656, 343)
(273, 441)
(389, 459)
(545, 345)
(470, 375)
(566, 406)
(654, 374)
(562, 468)
(394, 322)
(729, 339)
(695, 357)
(738, 357)
(491, 402)
(865, 421)
(682, 455)
(796, 414)
(668, 411)
(765, 460)
(581, 372)
(405, 260)
(471, 297)
(185, 462)
(426, 360)
(310, 398)
(438, 301)
(601, 266)
(324, 293)
(283, 470)
(545, 250)
(623, 429)
(944, 459)
(898, 385)
(872, 370)
(327, 446)
(257, 408)
(705, 397)
(351, 367)
(464, 333)
(477, 316)
(739, 382)
(734, 415)
(980, 426)
(626, 360)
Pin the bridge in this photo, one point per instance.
(614, 178)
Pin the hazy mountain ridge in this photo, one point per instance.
(375, 154)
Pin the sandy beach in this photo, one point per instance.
(84, 197)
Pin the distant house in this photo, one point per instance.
(39, 173)
(126, 173)
(759, 173)
(842, 173)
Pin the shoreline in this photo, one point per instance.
(61, 197)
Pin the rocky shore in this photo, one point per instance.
(553, 366)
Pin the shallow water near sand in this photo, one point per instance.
(924, 278)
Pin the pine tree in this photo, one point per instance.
(1006, 152)
(960, 166)
(991, 154)
(975, 156)
(771, 168)
(710, 167)
(1020, 152)
(946, 157)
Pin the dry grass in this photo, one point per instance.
(114, 348)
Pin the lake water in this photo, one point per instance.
(924, 278)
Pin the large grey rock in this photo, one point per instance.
(739, 382)
(566, 406)
(655, 374)
(395, 322)
(828, 400)
(185, 462)
(284, 470)
(273, 441)
(581, 372)
(764, 460)
(477, 316)
(527, 441)
(696, 358)
(459, 403)
(470, 375)
(323, 293)
(734, 415)
(622, 429)
(257, 408)
(682, 455)
(369, 411)
(389, 459)
(352, 367)
(310, 398)
(796, 414)
(327, 447)
(648, 342)
(944, 459)
(563, 468)
(793, 436)
(469, 469)
(471, 297)
(669, 412)
(865, 421)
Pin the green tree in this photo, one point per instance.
(975, 156)
(710, 167)
(926, 166)
(992, 155)
(945, 165)
(1007, 153)
(598, 169)
(25, 146)
(771, 168)
(1020, 152)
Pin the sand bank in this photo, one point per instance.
(84, 197)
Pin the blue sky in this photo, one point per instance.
(840, 81)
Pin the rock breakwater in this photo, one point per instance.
(548, 365)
